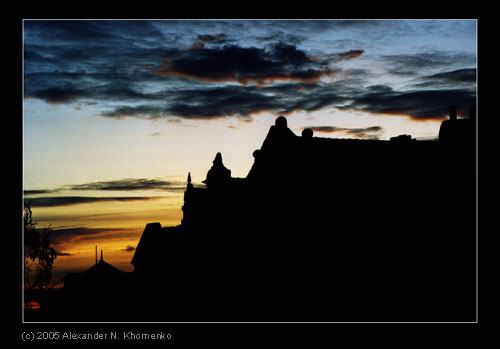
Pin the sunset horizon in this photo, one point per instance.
(117, 113)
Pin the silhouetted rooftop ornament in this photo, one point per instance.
(218, 159)
(102, 267)
(281, 122)
(307, 133)
(189, 187)
(218, 173)
(453, 112)
(457, 131)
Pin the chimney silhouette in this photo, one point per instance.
(453, 112)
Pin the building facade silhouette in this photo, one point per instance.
(320, 230)
(326, 230)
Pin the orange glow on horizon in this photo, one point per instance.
(34, 305)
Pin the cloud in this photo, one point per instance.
(420, 63)
(129, 249)
(460, 75)
(88, 31)
(202, 39)
(130, 184)
(220, 102)
(51, 201)
(236, 101)
(417, 104)
(208, 103)
(365, 133)
(58, 95)
(38, 191)
(243, 65)
(63, 88)
(61, 237)
(449, 79)
(245, 101)
(63, 254)
(345, 56)
(214, 69)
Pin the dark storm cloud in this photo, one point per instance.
(367, 132)
(245, 65)
(51, 201)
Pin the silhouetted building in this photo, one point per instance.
(100, 274)
(319, 230)
(325, 230)
(97, 294)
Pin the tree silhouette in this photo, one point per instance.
(39, 257)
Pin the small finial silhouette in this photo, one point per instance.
(256, 153)
(101, 257)
(189, 177)
(281, 122)
(307, 133)
(218, 159)
(453, 112)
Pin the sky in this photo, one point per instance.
(117, 112)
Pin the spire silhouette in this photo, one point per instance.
(218, 159)
(218, 173)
